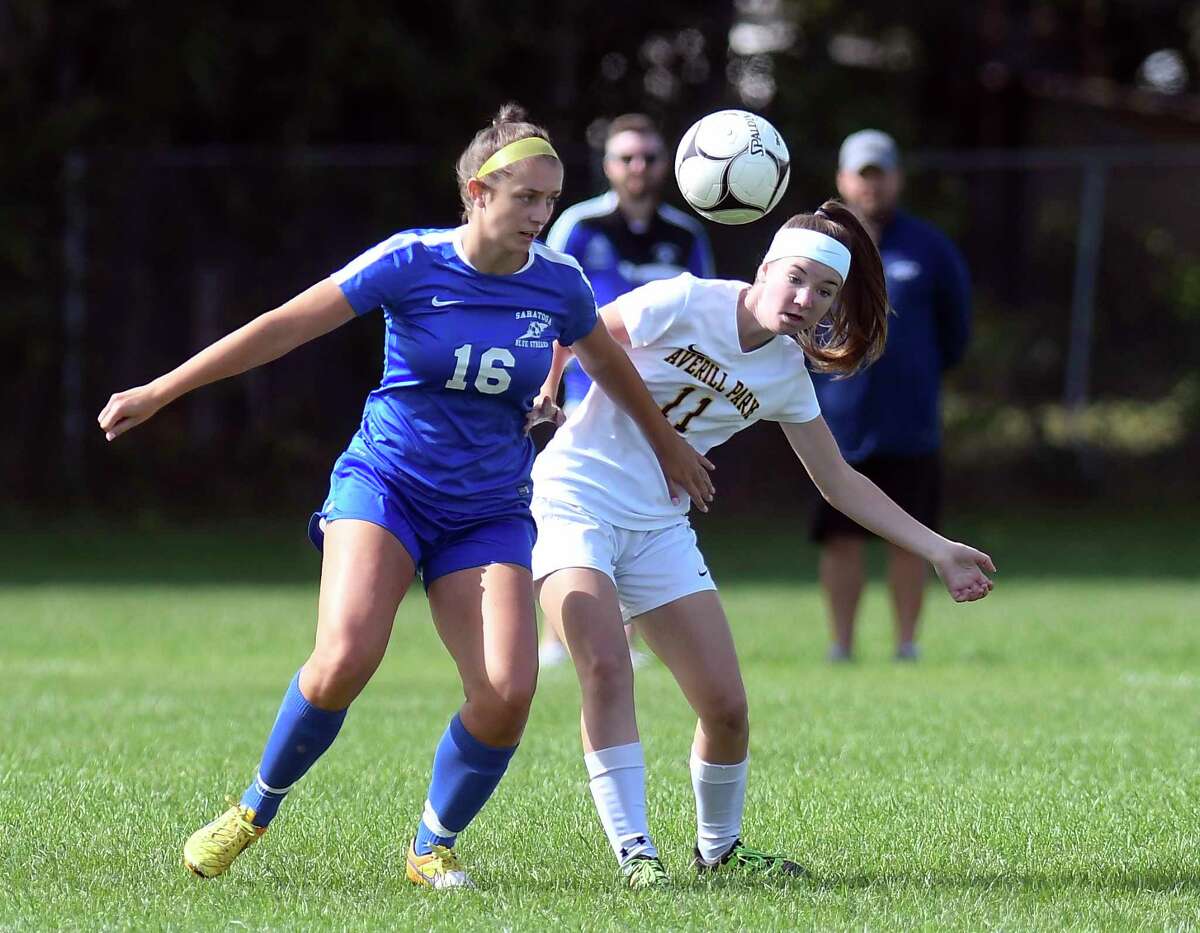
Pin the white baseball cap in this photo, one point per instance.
(866, 148)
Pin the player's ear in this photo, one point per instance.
(761, 276)
(476, 190)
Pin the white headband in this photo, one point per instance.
(796, 242)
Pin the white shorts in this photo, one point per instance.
(649, 568)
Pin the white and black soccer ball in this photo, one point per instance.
(732, 166)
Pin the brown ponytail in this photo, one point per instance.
(856, 331)
(510, 124)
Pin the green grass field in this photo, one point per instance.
(1037, 770)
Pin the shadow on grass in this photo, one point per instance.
(687, 882)
(1151, 880)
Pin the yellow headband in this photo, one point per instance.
(515, 152)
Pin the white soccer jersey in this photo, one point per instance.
(684, 343)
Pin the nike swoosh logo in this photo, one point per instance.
(440, 303)
(704, 572)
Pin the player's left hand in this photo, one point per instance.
(961, 569)
(127, 410)
(544, 409)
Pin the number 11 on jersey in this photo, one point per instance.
(682, 424)
(493, 377)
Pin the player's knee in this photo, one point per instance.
(337, 674)
(729, 716)
(605, 673)
(505, 700)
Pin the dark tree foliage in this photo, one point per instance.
(131, 85)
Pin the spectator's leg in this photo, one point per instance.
(842, 579)
(907, 574)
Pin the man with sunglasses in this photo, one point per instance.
(627, 237)
(624, 238)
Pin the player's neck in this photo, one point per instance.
(751, 334)
(489, 257)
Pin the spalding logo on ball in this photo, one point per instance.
(732, 166)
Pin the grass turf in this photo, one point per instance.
(1036, 770)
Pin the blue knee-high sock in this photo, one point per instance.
(465, 772)
(300, 736)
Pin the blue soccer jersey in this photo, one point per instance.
(465, 354)
(893, 408)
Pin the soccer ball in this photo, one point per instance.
(732, 166)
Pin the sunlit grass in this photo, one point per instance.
(1036, 770)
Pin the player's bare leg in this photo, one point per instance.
(485, 618)
(581, 605)
(691, 636)
(552, 652)
(365, 573)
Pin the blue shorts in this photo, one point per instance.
(438, 542)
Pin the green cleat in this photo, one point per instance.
(645, 871)
(211, 849)
(740, 857)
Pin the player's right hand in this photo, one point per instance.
(686, 471)
(127, 410)
(544, 409)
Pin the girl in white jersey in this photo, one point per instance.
(613, 546)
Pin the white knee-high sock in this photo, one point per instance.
(720, 799)
(618, 785)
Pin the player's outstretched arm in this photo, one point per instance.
(962, 569)
(269, 336)
(685, 469)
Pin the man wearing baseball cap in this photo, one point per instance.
(887, 419)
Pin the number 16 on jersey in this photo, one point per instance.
(492, 378)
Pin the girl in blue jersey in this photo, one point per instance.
(436, 481)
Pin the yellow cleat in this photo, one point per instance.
(212, 848)
(439, 869)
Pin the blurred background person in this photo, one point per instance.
(886, 419)
(624, 238)
(627, 236)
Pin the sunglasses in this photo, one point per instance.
(648, 157)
